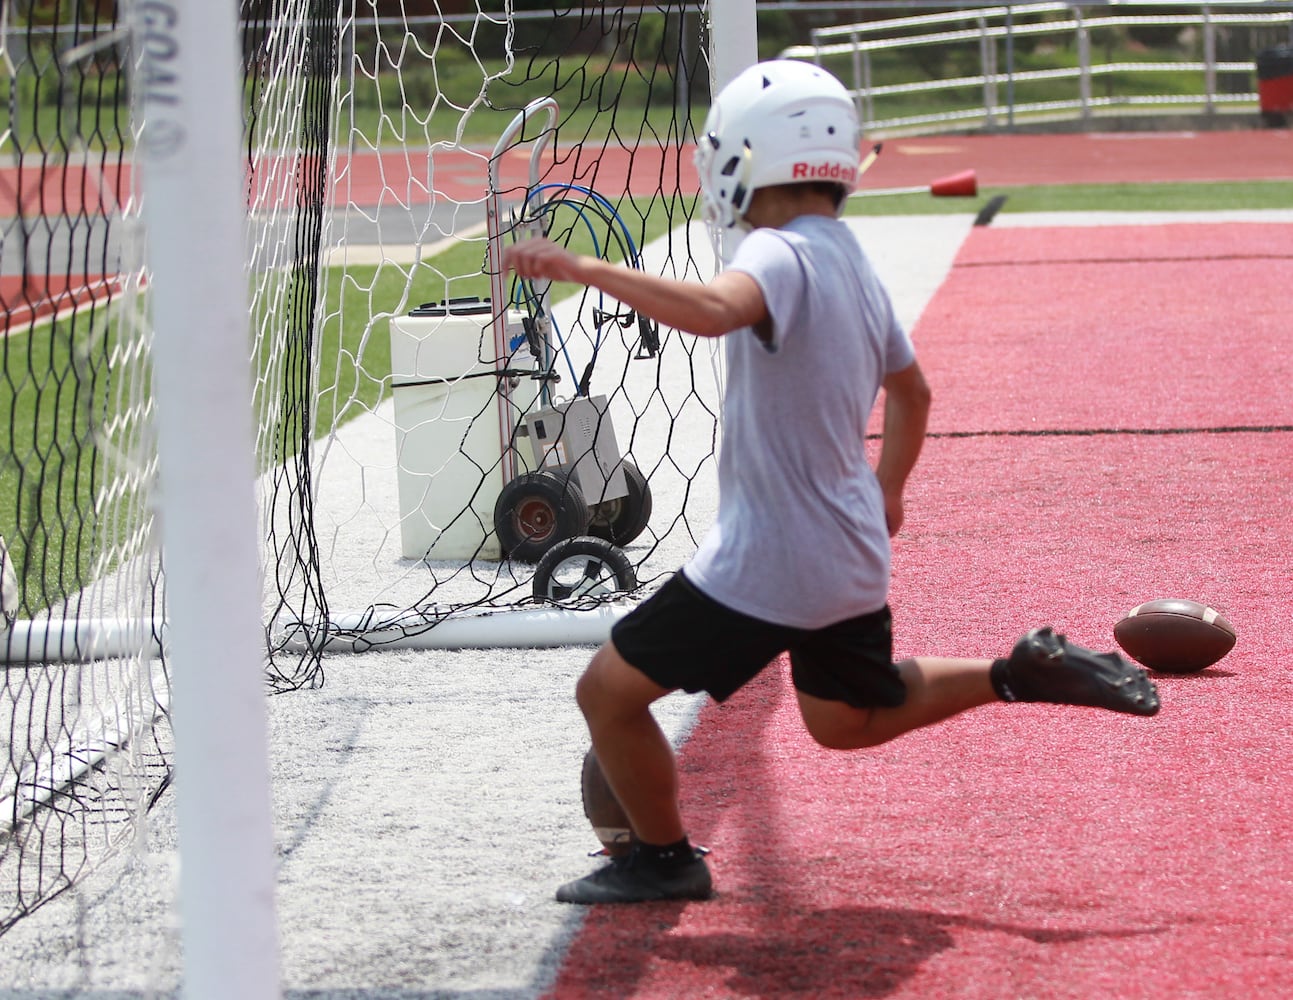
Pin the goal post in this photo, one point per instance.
(735, 23)
(188, 83)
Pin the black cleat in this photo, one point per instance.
(628, 879)
(1045, 666)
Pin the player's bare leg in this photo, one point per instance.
(634, 753)
(937, 689)
(1043, 667)
(639, 765)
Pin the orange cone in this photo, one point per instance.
(962, 185)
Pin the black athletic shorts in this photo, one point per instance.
(680, 638)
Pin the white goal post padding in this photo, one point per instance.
(190, 81)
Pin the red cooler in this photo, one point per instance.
(1275, 84)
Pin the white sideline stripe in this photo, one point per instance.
(406, 253)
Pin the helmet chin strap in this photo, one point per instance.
(724, 239)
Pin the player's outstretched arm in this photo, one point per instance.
(731, 301)
(906, 414)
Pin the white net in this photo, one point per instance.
(83, 689)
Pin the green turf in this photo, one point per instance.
(462, 88)
(54, 387)
(1181, 197)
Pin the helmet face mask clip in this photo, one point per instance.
(726, 197)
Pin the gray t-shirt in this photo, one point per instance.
(801, 538)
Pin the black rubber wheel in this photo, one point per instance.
(536, 510)
(583, 567)
(621, 520)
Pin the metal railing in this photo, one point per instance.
(1000, 95)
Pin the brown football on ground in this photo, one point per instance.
(1174, 636)
(603, 809)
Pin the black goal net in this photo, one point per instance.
(439, 446)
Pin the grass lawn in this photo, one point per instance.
(1181, 197)
(52, 388)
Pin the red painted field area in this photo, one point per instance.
(1112, 424)
(1114, 328)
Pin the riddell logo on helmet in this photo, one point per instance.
(823, 172)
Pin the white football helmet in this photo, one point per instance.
(778, 122)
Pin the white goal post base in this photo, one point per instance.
(83, 640)
(79, 640)
(537, 628)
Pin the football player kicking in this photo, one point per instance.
(798, 559)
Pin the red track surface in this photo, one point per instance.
(403, 177)
(1030, 851)
(29, 300)
(1097, 158)
(62, 189)
(997, 160)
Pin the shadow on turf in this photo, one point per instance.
(854, 951)
(1211, 672)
